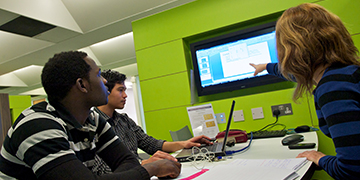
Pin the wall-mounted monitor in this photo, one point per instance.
(222, 63)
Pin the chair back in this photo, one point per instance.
(182, 134)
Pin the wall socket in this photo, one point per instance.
(285, 109)
(238, 116)
(220, 118)
(257, 113)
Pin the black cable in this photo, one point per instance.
(273, 125)
(276, 113)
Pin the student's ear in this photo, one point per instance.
(80, 85)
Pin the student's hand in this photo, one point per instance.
(159, 155)
(258, 68)
(313, 156)
(197, 141)
(162, 168)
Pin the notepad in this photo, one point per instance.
(291, 163)
(248, 173)
(249, 169)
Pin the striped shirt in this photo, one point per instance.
(44, 137)
(337, 102)
(130, 134)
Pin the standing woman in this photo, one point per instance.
(316, 51)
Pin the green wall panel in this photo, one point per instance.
(19, 101)
(18, 104)
(158, 123)
(15, 112)
(161, 60)
(265, 100)
(312, 111)
(343, 9)
(201, 16)
(356, 39)
(165, 92)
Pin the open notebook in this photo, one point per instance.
(218, 148)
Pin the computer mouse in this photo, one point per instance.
(304, 128)
(292, 139)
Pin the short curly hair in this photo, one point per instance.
(61, 72)
(113, 77)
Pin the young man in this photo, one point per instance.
(59, 139)
(132, 135)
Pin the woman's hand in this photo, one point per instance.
(313, 156)
(258, 68)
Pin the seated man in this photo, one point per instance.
(59, 139)
(131, 134)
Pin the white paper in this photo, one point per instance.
(291, 163)
(248, 173)
(203, 121)
(249, 169)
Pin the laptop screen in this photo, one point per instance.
(228, 124)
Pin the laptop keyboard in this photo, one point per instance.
(214, 147)
(267, 134)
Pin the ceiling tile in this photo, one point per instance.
(11, 79)
(6, 16)
(95, 13)
(25, 26)
(31, 74)
(57, 34)
(12, 46)
(38, 91)
(53, 12)
(116, 49)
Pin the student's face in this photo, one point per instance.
(117, 97)
(98, 92)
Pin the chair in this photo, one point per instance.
(182, 134)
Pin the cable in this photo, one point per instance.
(243, 149)
(273, 125)
(276, 112)
(200, 156)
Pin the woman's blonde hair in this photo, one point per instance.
(308, 37)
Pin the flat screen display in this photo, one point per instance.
(222, 63)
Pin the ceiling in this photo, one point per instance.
(32, 31)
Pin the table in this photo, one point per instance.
(270, 148)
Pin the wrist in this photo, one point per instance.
(151, 169)
(182, 144)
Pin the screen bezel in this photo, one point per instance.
(234, 85)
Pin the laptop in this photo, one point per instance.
(218, 148)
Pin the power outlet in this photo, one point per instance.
(285, 109)
(238, 116)
(220, 118)
(257, 113)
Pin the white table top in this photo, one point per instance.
(271, 148)
(267, 148)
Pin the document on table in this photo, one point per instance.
(249, 169)
(254, 169)
(203, 121)
(248, 173)
(292, 163)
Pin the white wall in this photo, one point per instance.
(130, 108)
